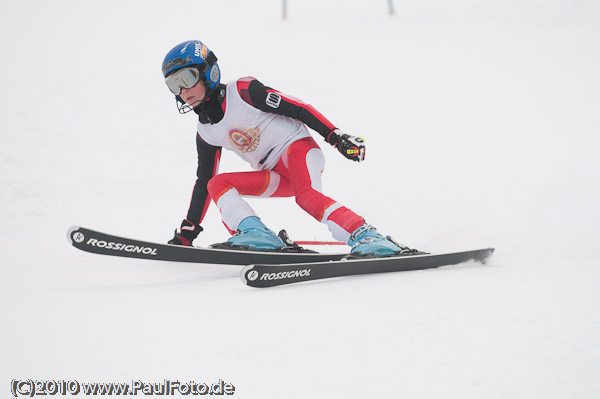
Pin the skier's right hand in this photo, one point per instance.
(349, 146)
(186, 233)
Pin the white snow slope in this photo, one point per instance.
(482, 120)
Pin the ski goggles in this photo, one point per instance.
(185, 78)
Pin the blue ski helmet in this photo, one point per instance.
(193, 53)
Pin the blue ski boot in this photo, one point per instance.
(252, 233)
(366, 241)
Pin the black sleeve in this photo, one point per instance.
(208, 160)
(268, 100)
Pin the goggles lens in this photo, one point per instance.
(183, 79)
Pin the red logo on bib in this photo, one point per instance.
(245, 141)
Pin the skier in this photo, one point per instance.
(266, 128)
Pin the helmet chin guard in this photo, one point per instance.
(182, 106)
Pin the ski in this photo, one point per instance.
(262, 275)
(106, 244)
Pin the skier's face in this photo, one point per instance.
(193, 95)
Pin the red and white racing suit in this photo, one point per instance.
(267, 129)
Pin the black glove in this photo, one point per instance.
(351, 147)
(186, 234)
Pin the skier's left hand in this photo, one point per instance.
(349, 146)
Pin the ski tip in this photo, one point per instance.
(70, 233)
(490, 252)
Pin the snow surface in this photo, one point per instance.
(482, 120)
